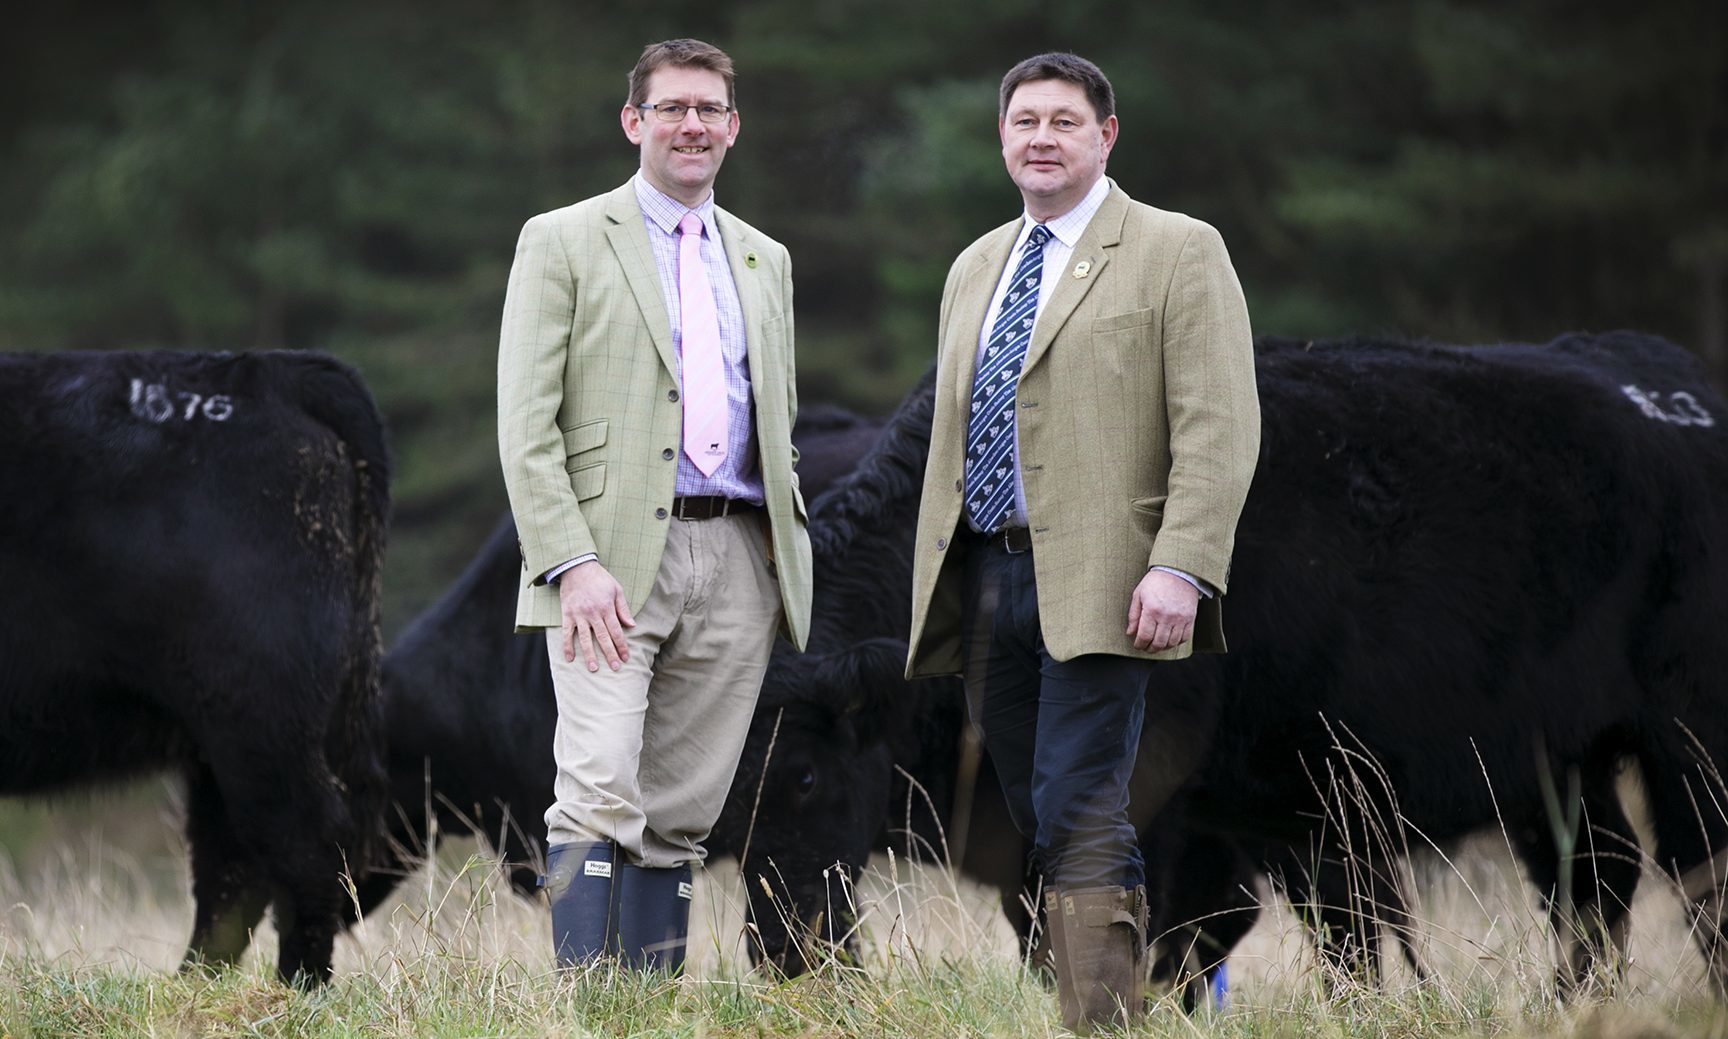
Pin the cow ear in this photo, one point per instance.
(862, 685)
(870, 677)
(792, 677)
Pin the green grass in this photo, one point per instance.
(90, 935)
(438, 997)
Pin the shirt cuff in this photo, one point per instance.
(1205, 589)
(553, 574)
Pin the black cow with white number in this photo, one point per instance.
(190, 548)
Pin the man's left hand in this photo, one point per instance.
(1161, 614)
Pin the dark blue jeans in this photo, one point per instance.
(1062, 734)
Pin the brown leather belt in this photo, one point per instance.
(1012, 540)
(708, 506)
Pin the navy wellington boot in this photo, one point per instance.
(654, 917)
(581, 882)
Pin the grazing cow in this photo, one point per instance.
(1468, 584)
(191, 546)
(469, 703)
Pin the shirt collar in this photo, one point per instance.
(1070, 225)
(665, 211)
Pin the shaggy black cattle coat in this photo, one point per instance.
(1469, 582)
(190, 547)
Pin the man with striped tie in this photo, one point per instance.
(1096, 429)
(645, 409)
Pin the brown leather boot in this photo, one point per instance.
(1098, 936)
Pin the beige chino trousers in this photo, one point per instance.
(646, 753)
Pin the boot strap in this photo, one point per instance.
(1130, 909)
(1105, 916)
(1127, 908)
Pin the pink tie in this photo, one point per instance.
(704, 369)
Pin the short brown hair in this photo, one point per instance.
(687, 54)
(1069, 68)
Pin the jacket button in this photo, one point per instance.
(666, 454)
(956, 484)
(941, 543)
(659, 513)
(672, 395)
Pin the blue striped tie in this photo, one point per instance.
(990, 432)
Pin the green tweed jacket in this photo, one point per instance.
(1139, 427)
(589, 421)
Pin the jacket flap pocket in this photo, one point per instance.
(586, 437)
(588, 481)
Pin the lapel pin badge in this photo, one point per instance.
(750, 260)
(1083, 268)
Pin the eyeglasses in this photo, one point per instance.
(673, 112)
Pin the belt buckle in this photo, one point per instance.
(1008, 536)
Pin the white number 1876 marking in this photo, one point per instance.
(154, 402)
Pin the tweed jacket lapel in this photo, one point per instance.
(628, 236)
(1093, 249)
(749, 289)
(971, 310)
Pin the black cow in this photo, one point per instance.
(470, 708)
(469, 705)
(830, 441)
(1468, 584)
(191, 547)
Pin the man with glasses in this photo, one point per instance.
(1096, 428)
(645, 408)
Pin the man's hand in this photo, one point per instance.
(594, 612)
(1161, 614)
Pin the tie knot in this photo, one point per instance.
(1040, 234)
(691, 224)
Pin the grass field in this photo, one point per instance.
(93, 924)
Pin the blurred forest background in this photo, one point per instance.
(352, 177)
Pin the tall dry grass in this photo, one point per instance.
(90, 934)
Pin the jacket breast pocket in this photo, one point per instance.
(1131, 319)
(773, 333)
(770, 383)
(1120, 340)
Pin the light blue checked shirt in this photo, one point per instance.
(738, 476)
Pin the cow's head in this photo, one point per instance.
(812, 793)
